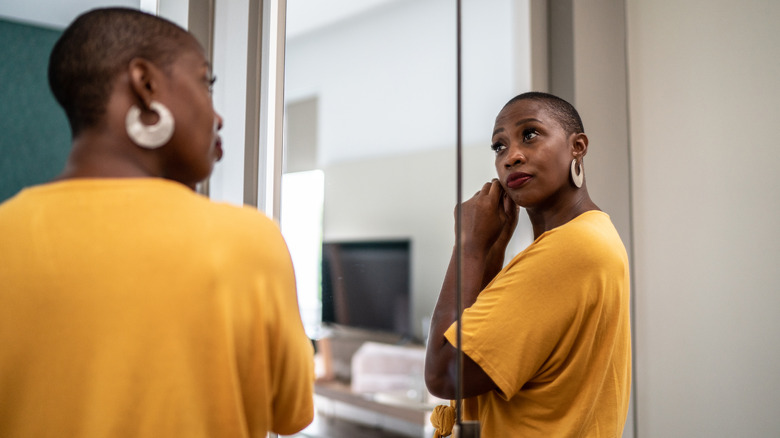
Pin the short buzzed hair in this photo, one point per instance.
(96, 47)
(562, 110)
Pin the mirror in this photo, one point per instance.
(370, 96)
(370, 163)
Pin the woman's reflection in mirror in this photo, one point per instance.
(547, 337)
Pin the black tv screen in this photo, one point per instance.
(366, 284)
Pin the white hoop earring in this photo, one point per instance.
(575, 177)
(149, 136)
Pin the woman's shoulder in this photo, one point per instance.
(213, 221)
(592, 223)
(242, 232)
(227, 211)
(237, 219)
(591, 235)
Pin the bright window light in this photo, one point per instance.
(301, 224)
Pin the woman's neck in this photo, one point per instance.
(548, 217)
(96, 156)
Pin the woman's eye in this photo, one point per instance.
(210, 81)
(529, 134)
(497, 147)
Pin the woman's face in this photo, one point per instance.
(190, 155)
(533, 154)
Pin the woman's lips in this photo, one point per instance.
(517, 180)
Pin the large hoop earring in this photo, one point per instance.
(575, 177)
(149, 136)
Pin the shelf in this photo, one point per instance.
(414, 412)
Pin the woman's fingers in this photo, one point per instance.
(491, 189)
(494, 189)
(490, 199)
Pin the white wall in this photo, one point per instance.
(704, 107)
(386, 79)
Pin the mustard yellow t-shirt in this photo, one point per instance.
(137, 308)
(552, 331)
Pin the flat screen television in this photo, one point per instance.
(366, 284)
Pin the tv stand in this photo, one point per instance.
(387, 392)
(339, 343)
(335, 399)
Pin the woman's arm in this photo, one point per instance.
(488, 220)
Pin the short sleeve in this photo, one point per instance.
(518, 320)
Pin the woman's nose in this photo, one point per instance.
(219, 121)
(514, 156)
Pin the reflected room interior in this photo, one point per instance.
(368, 189)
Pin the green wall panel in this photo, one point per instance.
(34, 132)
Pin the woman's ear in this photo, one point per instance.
(579, 145)
(143, 81)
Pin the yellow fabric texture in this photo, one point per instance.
(552, 331)
(137, 308)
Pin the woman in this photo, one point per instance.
(546, 338)
(132, 306)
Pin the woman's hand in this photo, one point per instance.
(494, 261)
(488, 220)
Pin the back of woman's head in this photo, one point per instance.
(96, 47)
